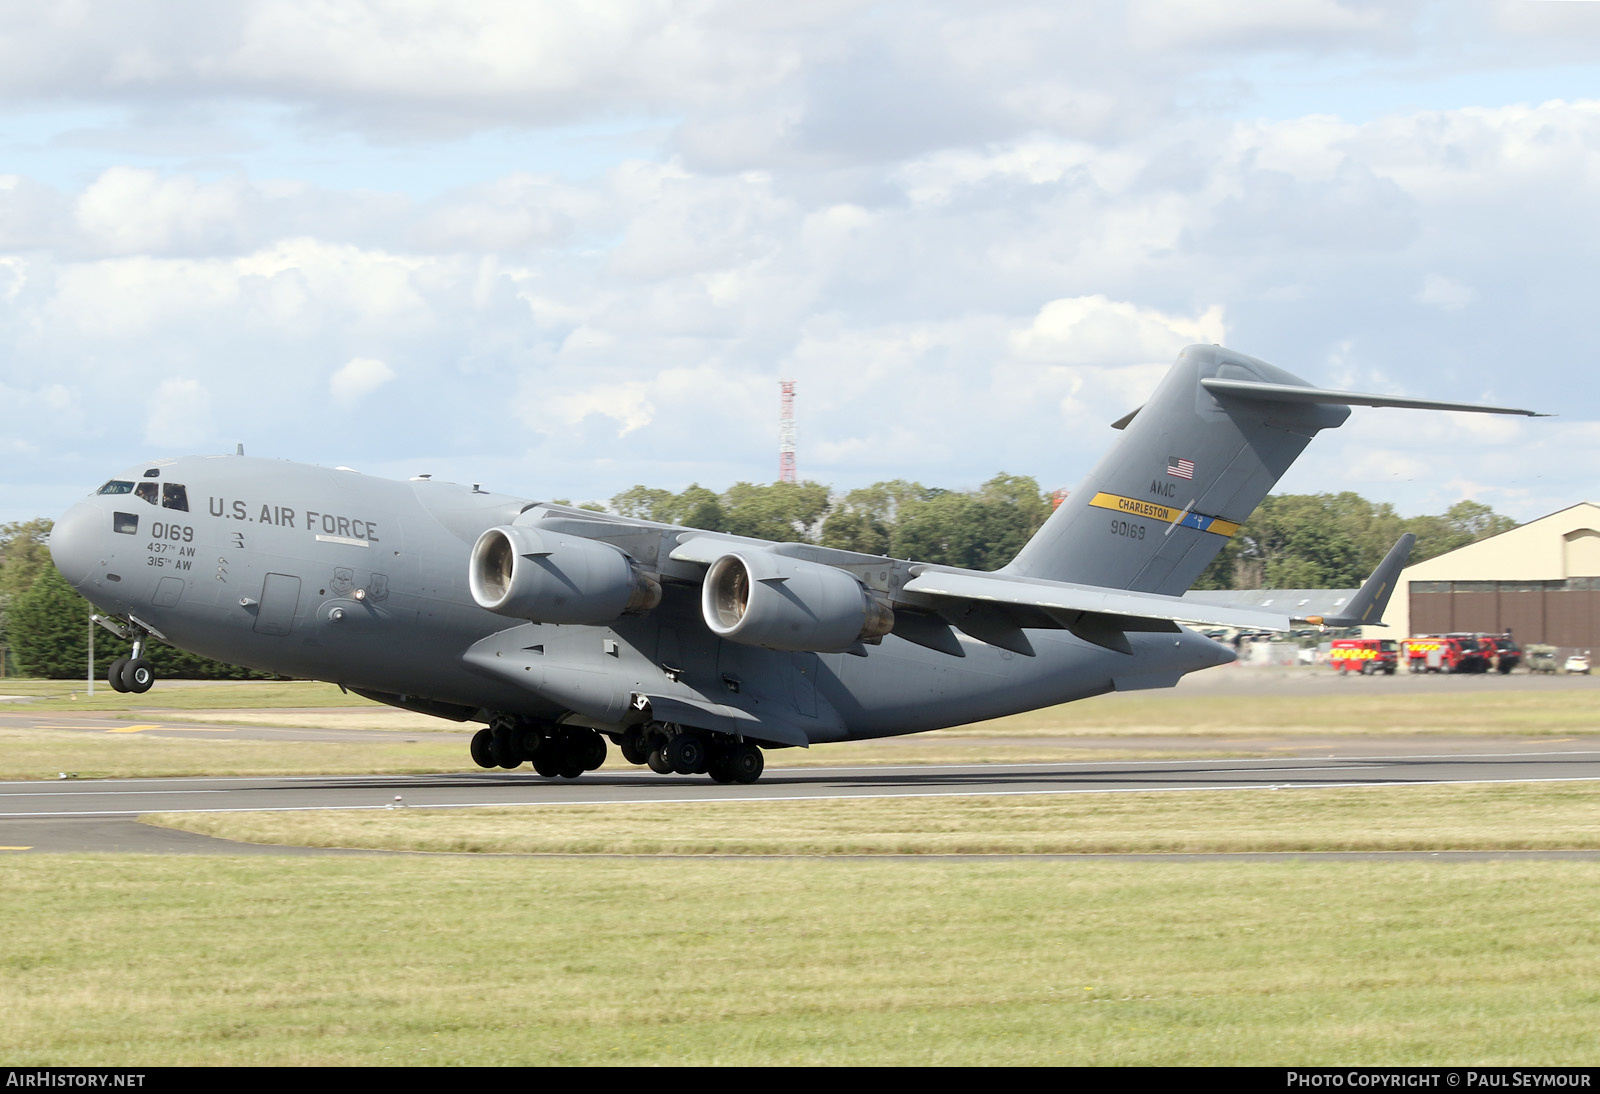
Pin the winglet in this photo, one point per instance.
(1367, 606)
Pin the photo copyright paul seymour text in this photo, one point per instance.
(1472, 1080)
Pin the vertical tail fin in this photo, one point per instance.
(1191, 466)
(1372, 599)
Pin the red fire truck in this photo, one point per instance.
(1500, 651)
(1368, 656)
(1437, 653)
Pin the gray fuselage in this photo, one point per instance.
(334, 575)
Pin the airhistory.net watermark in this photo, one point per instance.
(53, 1078)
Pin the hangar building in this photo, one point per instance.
(1540, 581)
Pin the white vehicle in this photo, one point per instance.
(1578, 662)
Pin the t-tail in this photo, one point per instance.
(1192, 465)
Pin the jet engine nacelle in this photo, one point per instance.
(763, 599)
(548, 578)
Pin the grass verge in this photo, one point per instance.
(56, 695)
(147, 960)
(1515, 713)
(1395, 818)
(44, 753)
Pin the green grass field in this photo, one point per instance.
(130, 961)
(647, 954)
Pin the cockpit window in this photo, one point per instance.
(126, 523)
(174, 496)
(116, 486)
(149, 491)
(153, 473)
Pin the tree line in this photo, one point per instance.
(44, 623)
(1292, 541)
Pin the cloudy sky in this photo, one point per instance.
(563, 248)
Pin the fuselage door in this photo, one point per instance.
(280, 596)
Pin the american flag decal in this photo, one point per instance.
(1180, 469)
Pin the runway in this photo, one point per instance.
(99, 815)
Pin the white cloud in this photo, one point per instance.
(969, 254)
(178, 415)
(1209, 24)
(357, 379)
(1092, 330)
(129, 211)
(1445, 293)
(627, 404)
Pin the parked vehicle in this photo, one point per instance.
(1541, 658)
(1509, 653)
(1500, 651)
(1578, 662)
(1368, 656)
(1437, 653)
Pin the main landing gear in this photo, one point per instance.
(564, 751)
(671, 749)
(568, 751)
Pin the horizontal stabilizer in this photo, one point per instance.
(1192, 464)
(1293, 393)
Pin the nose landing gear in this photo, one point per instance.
(133, 674)
(130, 674)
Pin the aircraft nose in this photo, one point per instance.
(76, 540)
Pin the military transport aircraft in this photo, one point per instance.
(693, 651)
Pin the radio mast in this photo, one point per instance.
(786, 470)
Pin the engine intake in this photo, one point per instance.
(763, 599)
(546, 578)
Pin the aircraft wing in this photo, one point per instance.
(1060, 597)
(997, 607)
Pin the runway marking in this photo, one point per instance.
(119, 793)
(865, 795)
(132, 729)
(28, 848)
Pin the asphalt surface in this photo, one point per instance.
(99, 815)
